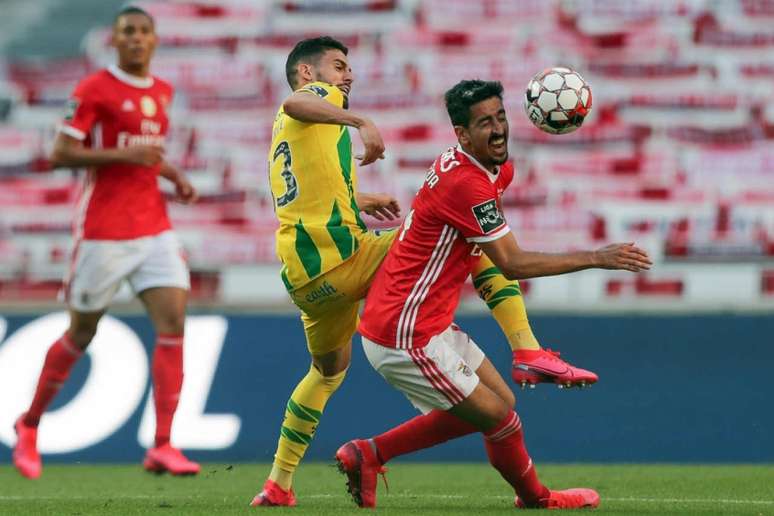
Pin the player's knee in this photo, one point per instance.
(172, 324)
(509, 398)
(82, 336)
(501, 412)
(336, 380)
(333, 363)
(333, 381)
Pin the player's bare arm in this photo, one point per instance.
(517, 263)
(70, 152)
(309, 108)
(378, 205)
(185, 191)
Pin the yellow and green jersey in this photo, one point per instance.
(313, 183)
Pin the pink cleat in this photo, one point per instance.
(166, 458)
(577, 498)
(533, 366)
(274, 496)
(357, 459)
(25, 454)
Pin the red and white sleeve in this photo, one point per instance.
(81, 113)
(473, 209)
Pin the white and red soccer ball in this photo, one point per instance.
(557, 100)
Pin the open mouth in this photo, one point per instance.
(498, 143)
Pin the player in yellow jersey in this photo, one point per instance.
(328, 255)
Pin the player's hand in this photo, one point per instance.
(626, 257)
(185, 191)
(145, 155)
(372, 141)
(380, 206)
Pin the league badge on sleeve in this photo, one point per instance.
(317, 90)
(488, 216)
(70, 107)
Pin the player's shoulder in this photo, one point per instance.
(459, 167)
(322, 90)
(449, 160)
(507, 171)
(163, 85)
(94, 82)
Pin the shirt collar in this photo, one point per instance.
(131, 80)
(492, 177)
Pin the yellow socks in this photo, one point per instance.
(503, 297)
(302, 415)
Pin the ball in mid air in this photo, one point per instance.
(557, 100)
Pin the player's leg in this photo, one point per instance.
(96, 273)
(439, 426)
(329, 307)
(433, 378)
(531, 364)
(430, 429)
(507, 452)
(329, 339)
(166, 310)
(60, 359)
(503, 436)
(162, 283)
(439, 377)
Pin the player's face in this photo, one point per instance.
(334, 68)
(486, 136)
(135, 40)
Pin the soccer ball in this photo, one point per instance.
(557, 100)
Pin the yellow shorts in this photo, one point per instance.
(330, 303)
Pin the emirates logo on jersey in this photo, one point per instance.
(148, 106)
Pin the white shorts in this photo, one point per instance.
(99, 267)
(437, 376)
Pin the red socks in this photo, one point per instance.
(507, 453)
(504, 446)
(167, 372)
(60, 359)
(419, 433)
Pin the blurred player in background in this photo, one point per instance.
(407, 328)
(329, 257)
(115, 126)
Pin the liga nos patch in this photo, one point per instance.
(488, 216)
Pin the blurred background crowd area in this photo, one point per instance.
(676, 155)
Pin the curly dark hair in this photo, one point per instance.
(309, 51)
(465, 93)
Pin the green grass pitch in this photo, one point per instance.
(434, 489)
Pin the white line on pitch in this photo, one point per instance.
(692, 500)
(604, 499)
(402, 495)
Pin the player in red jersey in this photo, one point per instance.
(115, 125)
(407, 329)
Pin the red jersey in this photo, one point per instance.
(417, 289)
(113, 109)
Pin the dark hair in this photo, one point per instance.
(465, 93)
(309, 51)
(131, 9)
